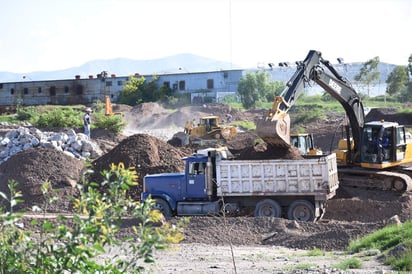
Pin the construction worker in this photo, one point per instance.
(87, 121)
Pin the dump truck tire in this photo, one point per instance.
(301, 210)
(163, 207)
(268, 208)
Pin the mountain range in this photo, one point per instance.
(180, 63)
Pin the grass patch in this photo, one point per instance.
(315, 252)
(394, 241)
(351, 263)
(247, 125)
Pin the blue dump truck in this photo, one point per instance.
(214, 183)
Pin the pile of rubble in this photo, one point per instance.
(74, 144)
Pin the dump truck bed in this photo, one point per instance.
(316, 176)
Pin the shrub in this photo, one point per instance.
(112, 122)
(73, 245)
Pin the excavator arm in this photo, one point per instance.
(275, 127)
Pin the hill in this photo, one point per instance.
(124, 67)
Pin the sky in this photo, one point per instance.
(48, 35)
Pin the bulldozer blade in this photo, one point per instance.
(274, 132)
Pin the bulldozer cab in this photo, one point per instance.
(208, 129)
(210, 122)
(304, 142)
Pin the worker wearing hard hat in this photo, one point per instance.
(87, 121)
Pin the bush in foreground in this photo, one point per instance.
(73, 244)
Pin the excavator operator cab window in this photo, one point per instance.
(370, 144)
(377, 146)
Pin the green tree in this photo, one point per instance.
(369, 73)
(257, 87)
(138, 90)
(408, 92)
(247, 90)
(397, 80)
(276, 88)
(131, 92)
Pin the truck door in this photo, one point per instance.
(196, 181)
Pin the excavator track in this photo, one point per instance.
(398, 180)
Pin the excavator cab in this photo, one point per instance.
(384, 144)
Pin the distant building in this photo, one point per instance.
(214, 85)
(203, 87)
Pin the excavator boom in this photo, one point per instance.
(372, 155)
(274, 129)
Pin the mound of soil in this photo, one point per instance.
(31, 168)
(146, 153)
(263, 151)
(390, 115)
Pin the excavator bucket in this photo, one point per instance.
(275, 130)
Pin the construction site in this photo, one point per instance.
(350, 214)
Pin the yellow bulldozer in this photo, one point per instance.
(207, 131)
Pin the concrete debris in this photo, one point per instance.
(74, 144)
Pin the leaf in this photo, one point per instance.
(47, 225)
(99, 248)
(3, 196)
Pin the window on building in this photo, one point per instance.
(210, 84)
(108, 83)
(52, 91)
(182, 85)
(1, 85)
(39, 90)
(166, 84)
(26, 91)
(66, 89)
(12, 91)
(79, 89)
(120, 83)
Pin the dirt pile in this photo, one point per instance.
(263, 151)
(389, 115)
(31, 168)
(146, 153)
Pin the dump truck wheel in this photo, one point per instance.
(163, 207)
(301, 210)
(268, 208)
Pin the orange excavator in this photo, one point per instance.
(374, 155)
